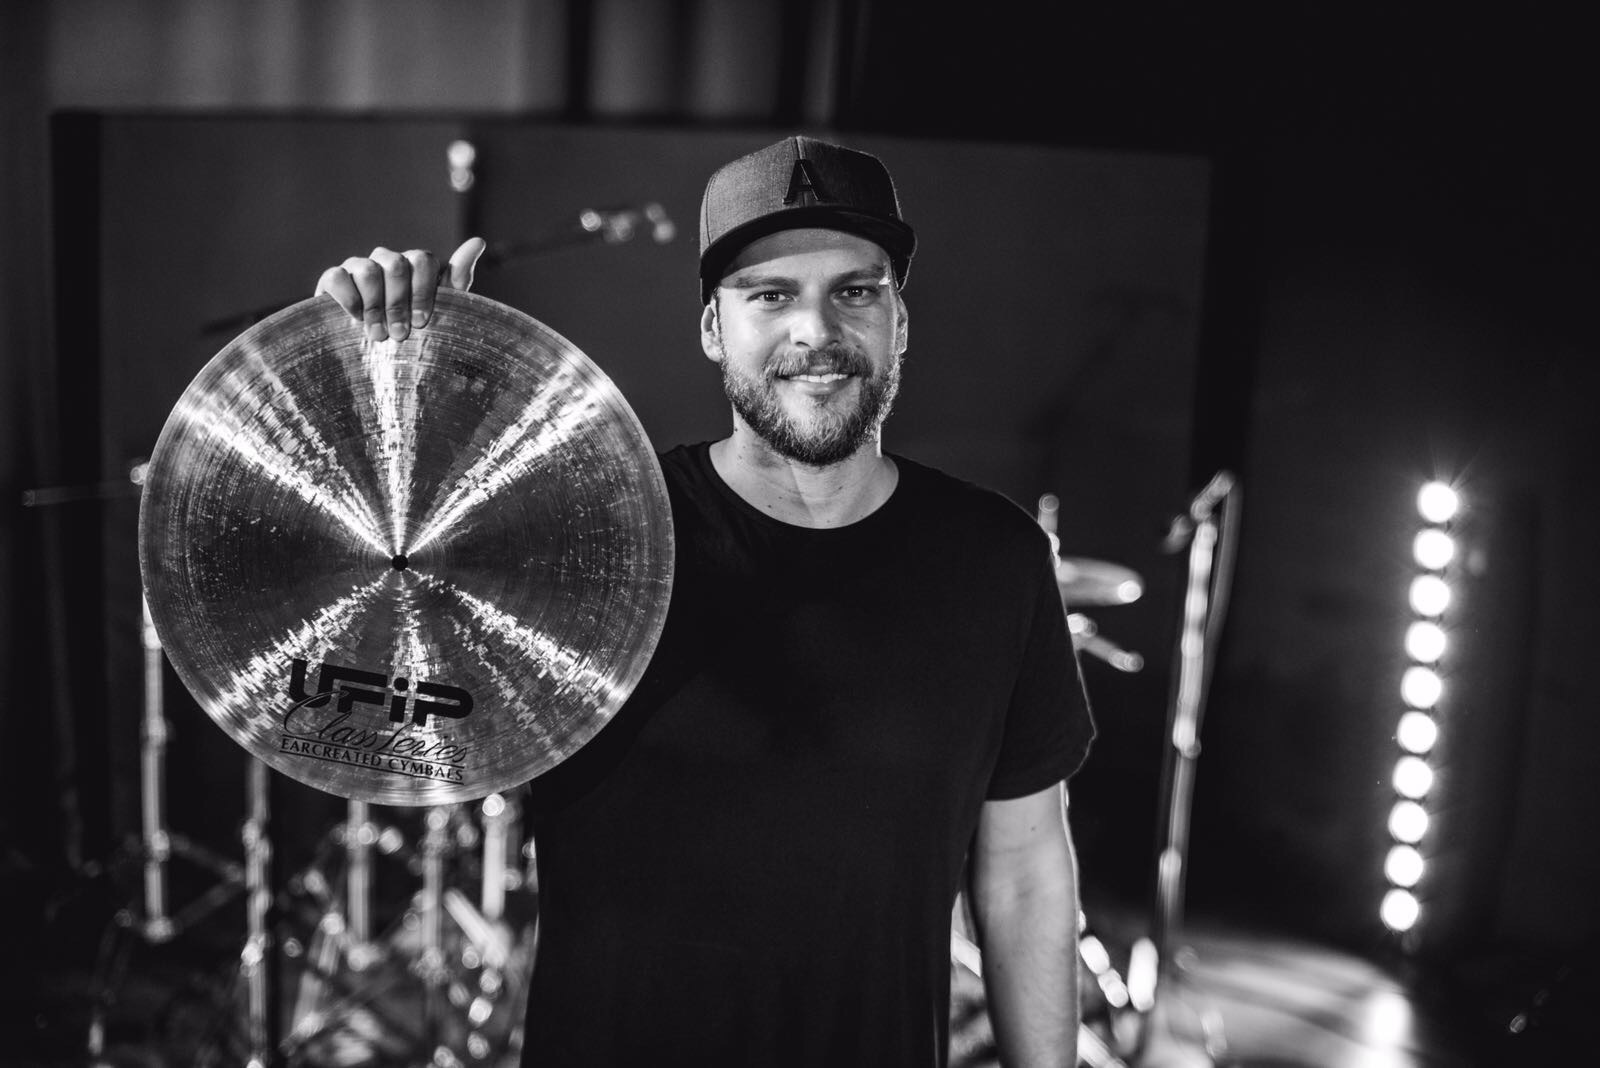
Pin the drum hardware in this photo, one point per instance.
(444, 978)
(1086, 638)
(1096, 583)
(150, 917)
(502, 819)
(258, 962)
(1209, 529)
(1085, 582)
(158, 844)
(1211, 551)
(1134, 1014)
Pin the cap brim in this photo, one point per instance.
(891, 235)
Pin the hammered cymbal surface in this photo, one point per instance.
(409, 573)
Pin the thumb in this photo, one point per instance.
(463, 261)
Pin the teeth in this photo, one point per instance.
(819, 378)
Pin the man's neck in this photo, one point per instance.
(802, 495)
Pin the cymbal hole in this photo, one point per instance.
(399, 561)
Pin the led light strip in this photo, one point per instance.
(1422, 686)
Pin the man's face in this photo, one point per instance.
(809, 330)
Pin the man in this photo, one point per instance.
(864, 692)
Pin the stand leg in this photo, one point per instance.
(431, 965)
(153, 737)
(259, 958)
(499, 837)
(360, 835)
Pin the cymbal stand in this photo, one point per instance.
(1085, 632)
(1211, 549)
(158, 844)
(1211, 543)
(342, 986)
(501, 827)
(414, 990)
(1086, 638)
(151, 918)
(430, 965)
(490, 946)
(360, 836)
(258, 961)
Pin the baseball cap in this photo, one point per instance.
(800, 182)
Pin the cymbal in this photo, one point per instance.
(410, 572)
(1085, 583)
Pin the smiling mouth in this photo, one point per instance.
(821, 379)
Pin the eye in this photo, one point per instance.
(768, 296)
(862, 294)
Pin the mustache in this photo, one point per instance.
(833, 360)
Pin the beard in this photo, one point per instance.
(830, 434)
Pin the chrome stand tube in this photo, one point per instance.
(359, 838)
(431, 965)
(153, 737)
(500, 819)
(258, 960)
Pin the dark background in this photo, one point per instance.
(1336, 249)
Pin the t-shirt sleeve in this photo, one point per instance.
(1048, 725)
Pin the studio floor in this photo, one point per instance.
(96, 994)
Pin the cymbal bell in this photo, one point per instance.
(1088, 583)
(411, 572)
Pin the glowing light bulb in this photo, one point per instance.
(1412, 777)
(1430, 595)
(1421, 687)
(1404, 866)
(1426, 641)
(1433, 548)
(1408, 822)
(462, 155)
(1400, 910)
(1416, 732)
(1438, 503)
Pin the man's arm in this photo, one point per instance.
(1024, 889)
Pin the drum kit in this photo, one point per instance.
(413, 575)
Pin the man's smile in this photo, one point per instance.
(822, 384)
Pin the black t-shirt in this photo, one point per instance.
(755, 861)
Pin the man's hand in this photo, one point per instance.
(392, 292)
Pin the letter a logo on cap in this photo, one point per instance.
(804, 180)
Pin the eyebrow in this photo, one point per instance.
(871, 274)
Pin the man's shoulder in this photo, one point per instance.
(957, 498)
(685, 464)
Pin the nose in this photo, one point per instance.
(814, 324)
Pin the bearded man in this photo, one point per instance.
(864, 698)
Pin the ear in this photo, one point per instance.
(902, 328)
(711, 331)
